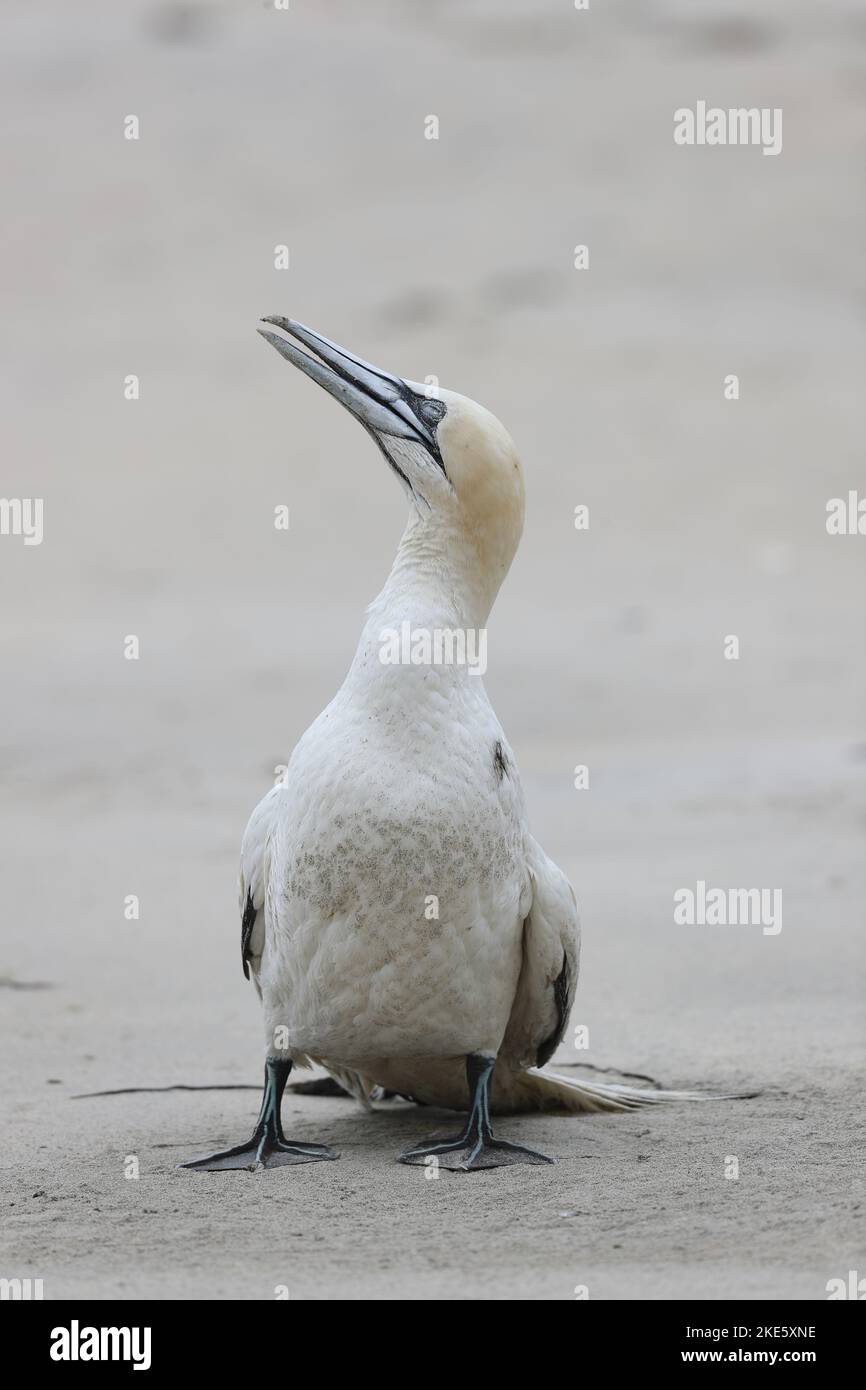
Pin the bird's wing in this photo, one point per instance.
(253, 883)
(548, 976)
(253, 879)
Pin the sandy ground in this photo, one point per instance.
(451, 257)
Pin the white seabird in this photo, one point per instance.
(402, 795)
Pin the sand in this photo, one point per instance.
(454, 258)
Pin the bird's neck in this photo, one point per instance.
(435, 578)
(435, 588)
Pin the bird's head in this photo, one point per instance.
(455, 460)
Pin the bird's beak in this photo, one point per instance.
(383, 403)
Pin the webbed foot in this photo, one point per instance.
(268, 1147)
(465, 1154)
(476, 1147)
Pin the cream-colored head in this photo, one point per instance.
(455, 460)
(483, 502)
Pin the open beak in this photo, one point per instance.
(383, 403)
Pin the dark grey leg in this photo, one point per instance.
(475, 1147)
(268, 1147)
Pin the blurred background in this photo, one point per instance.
(452, 257)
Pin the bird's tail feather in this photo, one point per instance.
(547, 1090)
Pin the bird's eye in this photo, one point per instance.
(431, 411)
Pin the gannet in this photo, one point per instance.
(402, 926)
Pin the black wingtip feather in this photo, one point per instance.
(247, 923)
(560, 997)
